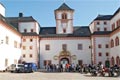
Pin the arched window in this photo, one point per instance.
(112, 61)
(112, 43)
(117, 60)
(113, 26)
(64, 16)
(116, 41)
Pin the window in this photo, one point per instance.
(31, 40)
(24, 47)
(25, 30)
(98, 29)
(116, 41)
(98, 23)
(30, 55)
(6, 62)
(105, 29)
(105, 23)
(64, 30)
(7, 40)
(24, 40)
(118, 23)
(99, 54)
(15, 44)
(31, 47)
(99, 46)
(112, 61)
(117, 60)
(79, 46)
(112, 43)
(47, 47)
(113, 26)
(31, 30)
(80, 62)
(24, 55)
(107, 54)
(64, 16)
(64, 47)
(107, 46)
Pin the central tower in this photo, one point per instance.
(64, 19)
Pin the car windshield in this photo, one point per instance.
(20, 65)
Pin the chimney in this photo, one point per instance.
(20, 14)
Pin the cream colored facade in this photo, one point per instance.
(27, 43)
(10, 50)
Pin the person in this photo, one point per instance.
(54, 67)
(73, 67)
(57, 68)
(64, 67)
(47, 67)
(68, 67)
(61, 68)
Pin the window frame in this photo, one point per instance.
(80, 46)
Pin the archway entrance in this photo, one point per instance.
(64, 61)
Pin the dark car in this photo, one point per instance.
(30, 67)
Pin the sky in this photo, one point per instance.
(43, 10)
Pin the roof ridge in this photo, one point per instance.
(64, 6)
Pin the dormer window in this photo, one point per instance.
(64, 16)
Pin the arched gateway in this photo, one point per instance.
(64, 57)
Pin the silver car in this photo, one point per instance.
(16, 68)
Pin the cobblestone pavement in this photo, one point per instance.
(51, 76)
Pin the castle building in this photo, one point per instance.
(22, 39)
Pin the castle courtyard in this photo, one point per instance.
(51, 76)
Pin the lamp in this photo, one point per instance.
(74, 57)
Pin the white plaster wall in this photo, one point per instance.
(91, 26)
(37, 27)
(2, 10)
(27, 51)
(115, 51)
(103, 41)
(28, 26)
(69, 28)
(102, 25)
(72, 46)
(59, 27)
(69, 14)
(8, 51)
(114, 19)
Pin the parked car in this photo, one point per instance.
(30, 67)
(16, 68)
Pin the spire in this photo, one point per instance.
(64, 7)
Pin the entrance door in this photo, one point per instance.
(64, 61)
(107, 63)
